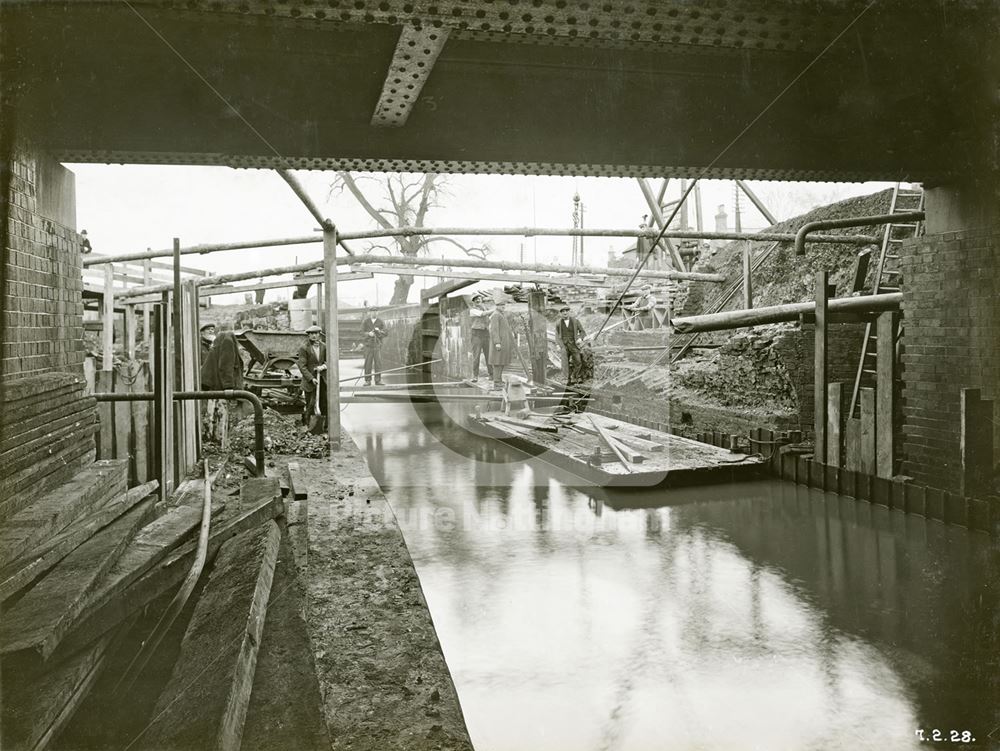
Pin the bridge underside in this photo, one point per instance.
(522, 86)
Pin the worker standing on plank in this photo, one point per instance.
(643, 307)
(501, 343)
(312, 364)
(373, 331)
(480, 337)
(570, 333)
(222, 369)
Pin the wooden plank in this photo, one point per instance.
(122, 418)
(106, 437)
(207, 709)
(819, 365)
(20, 572)
(852, 444)
(299, 490)
(885, 359)
(40, 619)
(611, 444)
(54, 511)
(868, 431)
(147, 573)
(89, 375)
(976, 446)
(108, 319)
(35, 714)
(130, 332)
(257, 490)
(140, 425)
(834, 398)
(61, 423)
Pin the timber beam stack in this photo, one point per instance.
(86, 569)
(49, 428)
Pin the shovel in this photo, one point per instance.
(317, 420)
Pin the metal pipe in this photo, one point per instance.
(862, 221)
(578, 232)
(92, 260)
(179, 600)
(300, 191)
(756, 202)
(735, 319)
(391, 370)
(248, 396)
(205, 248)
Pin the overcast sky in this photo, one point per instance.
(134, 207)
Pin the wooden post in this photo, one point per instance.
(868, 431)
(852, 444)
(178, 328)
(147, 335)
(976, 443)
(888, 324)
(539, 329)
(332, 336)
(747, 281)
(820, 376)
(130, 334)
(834, 398)
(318, 316)
(108, 318)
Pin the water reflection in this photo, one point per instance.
(760, 615)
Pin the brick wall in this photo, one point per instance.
(951, 306)
(796, 351)
(42, 305)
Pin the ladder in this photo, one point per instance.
(727, 294)
(888, 278)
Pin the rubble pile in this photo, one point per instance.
(282, 435)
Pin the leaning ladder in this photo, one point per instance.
(888, 278)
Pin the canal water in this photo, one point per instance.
(761, 615)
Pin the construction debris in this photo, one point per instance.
(282, 435)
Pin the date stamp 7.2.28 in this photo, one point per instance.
(936, 735)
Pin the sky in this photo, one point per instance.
(127, 208)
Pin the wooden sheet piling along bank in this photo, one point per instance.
(613, 453)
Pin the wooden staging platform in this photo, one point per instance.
(614, 453)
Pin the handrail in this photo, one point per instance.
(861, 221)
(258, 411)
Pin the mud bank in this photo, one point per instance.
(383, 677)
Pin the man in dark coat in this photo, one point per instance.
(312, 365)
(373, 331)
(207, 337)
(570, 334)
(501, 343)
(223, 368)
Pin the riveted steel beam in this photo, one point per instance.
(416, 51)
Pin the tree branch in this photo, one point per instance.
(479, 251)
(374, 213)
(425, 195)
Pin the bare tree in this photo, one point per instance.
(402, 200)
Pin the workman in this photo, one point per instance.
(501, 343)
(207, 337)
(222, 369)
(643, 306)
(312, 365)
(373, 331)
(480, 336)
(570, 333)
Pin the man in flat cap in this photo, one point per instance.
(570, 333)
(643, 306)
(373, 331)
(312, 366)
